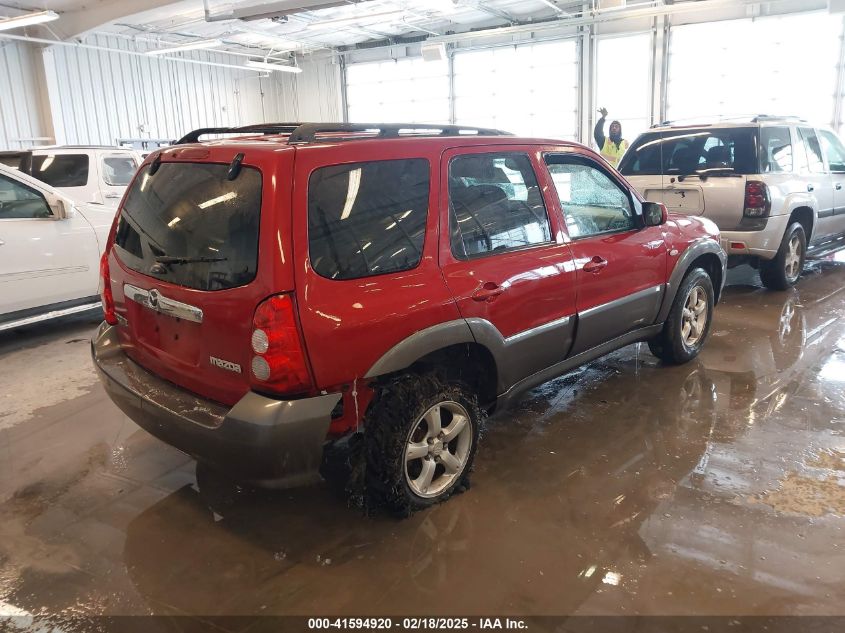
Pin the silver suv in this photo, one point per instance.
(773, 185)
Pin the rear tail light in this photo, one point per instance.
(278, 364)
(757, 200)
(105, 294)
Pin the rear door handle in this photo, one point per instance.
(595, 265)
(838, 186)
(487, 292)
(810, 187)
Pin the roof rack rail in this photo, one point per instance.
(775, 117)
(308, 132)
(261, 128)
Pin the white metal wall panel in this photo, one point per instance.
(20, 96)
(97, 96)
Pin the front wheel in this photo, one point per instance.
(782, 272)
(688, 324)
(421, 436)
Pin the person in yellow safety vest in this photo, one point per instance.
(613, 146)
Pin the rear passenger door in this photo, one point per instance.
(620, 263)
(504, 259)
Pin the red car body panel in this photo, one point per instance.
(375, 313)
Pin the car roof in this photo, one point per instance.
(732, 122)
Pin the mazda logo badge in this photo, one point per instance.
(153, 298)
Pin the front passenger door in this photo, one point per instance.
(620, 264)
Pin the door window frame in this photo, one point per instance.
(533, 153)
(636, 205)
(40, 194)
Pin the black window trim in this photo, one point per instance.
(636, 205)
(40, 194)
(428, 212)
(502, 251)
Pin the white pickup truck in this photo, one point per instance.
(86, 173)
(50, 249)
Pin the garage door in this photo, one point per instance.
(530, 90)
(394, 91)
(778, 66)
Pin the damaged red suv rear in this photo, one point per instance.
(273, 292)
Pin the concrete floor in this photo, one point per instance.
(624, 488)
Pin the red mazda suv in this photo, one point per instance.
(283, 287)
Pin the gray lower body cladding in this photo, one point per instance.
(261, 440)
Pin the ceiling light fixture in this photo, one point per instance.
(28, 20)
(190, 46)
(354, 18)
(251, 63)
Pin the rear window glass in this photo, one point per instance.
(61, 170)
(118, 170)
(691, 151)
(188, 225)
(367, 218)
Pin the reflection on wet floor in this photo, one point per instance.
(717, 487)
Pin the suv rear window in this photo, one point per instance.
(188, 225)
(367, 218)
(61, 170)
(693, 151)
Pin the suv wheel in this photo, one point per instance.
(689, 320)
(784, 270)
(421, 436)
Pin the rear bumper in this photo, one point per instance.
(764, 244)
(261, 440)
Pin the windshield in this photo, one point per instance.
(703, 152)
(189, 225)
(61, 170)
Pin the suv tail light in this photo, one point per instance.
(105, 294)
(279, 363)
(758, 204)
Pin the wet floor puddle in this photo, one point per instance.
(812, 496)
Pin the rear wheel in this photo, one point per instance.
(688, 324)
(783, 271)
(421, 436)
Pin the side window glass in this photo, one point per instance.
(118, 170)
(17, 201)
(776, 150)
(592, 202)
(495, 204)
(834, 151)
(367, 218)
(813, 149)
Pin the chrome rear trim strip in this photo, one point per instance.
(154, 300)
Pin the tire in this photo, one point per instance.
(684, 333)
(782, 272)
(401, 423)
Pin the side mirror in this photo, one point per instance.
(655, 213)
(62, 209)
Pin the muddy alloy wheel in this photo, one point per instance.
(420, 433)
(688, 323)
(437, 449)
(694, 319)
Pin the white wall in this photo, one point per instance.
(98, 96)
(22, 113)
